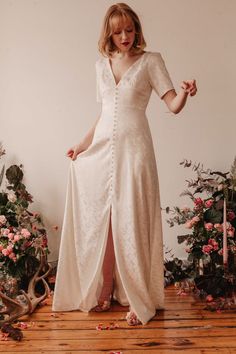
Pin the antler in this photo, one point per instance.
(31, 296)
(13, 308)
(16, 309)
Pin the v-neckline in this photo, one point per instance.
(126, 72)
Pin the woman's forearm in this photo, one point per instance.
(178, 102)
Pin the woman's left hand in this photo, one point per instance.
(189, 86)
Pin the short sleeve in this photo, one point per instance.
(158, 75)
(98, 91)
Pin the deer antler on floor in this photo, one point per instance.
(16, 309)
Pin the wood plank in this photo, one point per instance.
(88, 325)
(147, 351)
(121, 345)
(127, 333)
(114, 316)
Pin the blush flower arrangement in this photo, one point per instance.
(22, 232)
(204, 220)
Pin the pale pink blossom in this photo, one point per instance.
(189, 224)
(5, 232)
(209, 203)
(3, 220)
(185, 209)
(25, 233)
(195, 219)
(219, 227)
(208, 226)
(11, 197)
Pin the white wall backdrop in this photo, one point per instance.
(48, 50)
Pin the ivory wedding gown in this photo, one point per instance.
(117, 174)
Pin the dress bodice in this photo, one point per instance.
(135, 86)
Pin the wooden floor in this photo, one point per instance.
(184, 326)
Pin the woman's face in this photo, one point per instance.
(123, 33)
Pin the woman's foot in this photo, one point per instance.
(103, 305)
(132, 319)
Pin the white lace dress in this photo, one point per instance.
(117, 174)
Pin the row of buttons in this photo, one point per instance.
(113, 138)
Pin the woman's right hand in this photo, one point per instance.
(74, 151)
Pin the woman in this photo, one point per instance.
(112, 234)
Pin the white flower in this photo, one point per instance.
(3, 220)
(11, 197)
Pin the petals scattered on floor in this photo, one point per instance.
(112, 326)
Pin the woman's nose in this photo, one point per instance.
(124, 35)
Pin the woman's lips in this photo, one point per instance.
(125, 43)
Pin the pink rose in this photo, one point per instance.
(230, 215)
(198, 202)
(209, 298)
(216, 246)
(218, 227)
(5, 252)
(12, 255)
(208, 226)
(10, 248)
(213, 243)
(209, 203)
(10, 236)
(207, 249)
(17, 238)
(230, 231)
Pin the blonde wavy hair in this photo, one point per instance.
(122, 11)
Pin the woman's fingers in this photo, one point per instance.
(71, 153)
(189, 86)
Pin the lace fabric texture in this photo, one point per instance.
(117, 176)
